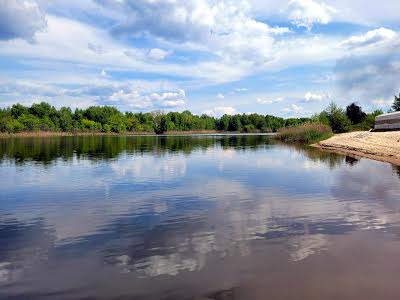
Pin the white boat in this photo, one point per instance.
(390, 121)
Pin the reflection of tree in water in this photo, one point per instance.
(333, 160)
(350, 160)
(396, 169)
(46, 150)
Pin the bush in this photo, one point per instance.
(29, 122)
(13, 126)
(90, 125)
(307, 133)
(107, 128)
(249, 128)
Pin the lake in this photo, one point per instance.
(194, 217)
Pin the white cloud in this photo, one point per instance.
(241, 90)
(371, 68)
(371, 38)
(269, 101)
(20, 19)
(158, 54)
(294, 109)
(220, 96)
(306, 13)
(136, 100)
(221, 110)
(314, 97)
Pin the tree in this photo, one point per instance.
(42, 109)
(235, 124)
(396, 103)
(223, 123)
(336, 118)
(355, 114)
(160, 122)
(18, 110)
(66, 121)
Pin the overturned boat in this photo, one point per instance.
(390, 121)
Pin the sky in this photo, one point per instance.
(289, 58)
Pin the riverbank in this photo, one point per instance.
(382, 146)
(169, 133)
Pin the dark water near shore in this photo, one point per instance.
(194, 217)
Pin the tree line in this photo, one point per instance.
(44, 117)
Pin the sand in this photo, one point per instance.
(383, 146)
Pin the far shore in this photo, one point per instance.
(80, 133)
(381, 146)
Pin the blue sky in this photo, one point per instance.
(287, 58)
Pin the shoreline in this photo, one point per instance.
(45, 134)
(380, 146)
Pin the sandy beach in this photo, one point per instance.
(382, 146)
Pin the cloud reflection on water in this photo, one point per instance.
(149, 215)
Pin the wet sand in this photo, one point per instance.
(382, 146)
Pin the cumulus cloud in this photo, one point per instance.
(126, 94)
(220, 110)
(371, 70)
(175, 20)
(226, 28)
(306, 13)
(314, 97)
(137, 100)
(269, 101)
(20, 19)
(220, 96)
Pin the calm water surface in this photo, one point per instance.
(194, 218)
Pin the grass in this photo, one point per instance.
(308, 133)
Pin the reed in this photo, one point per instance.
(307, 133)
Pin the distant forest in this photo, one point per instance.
(44, 117)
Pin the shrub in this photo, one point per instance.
(90, 125)
(13, 126)
(107, 128)
(29, 122)
(249, 128)
(307, 133)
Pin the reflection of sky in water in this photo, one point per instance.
(146, 215)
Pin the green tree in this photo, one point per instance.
(13, 126)
(30, 122)
(42, 109)
(335, 117)
(18, 110)
(66, 119)
(90, 125)
(396, 103)
(223, 123)
(235, 123)
(355, 114)
(160, 122)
